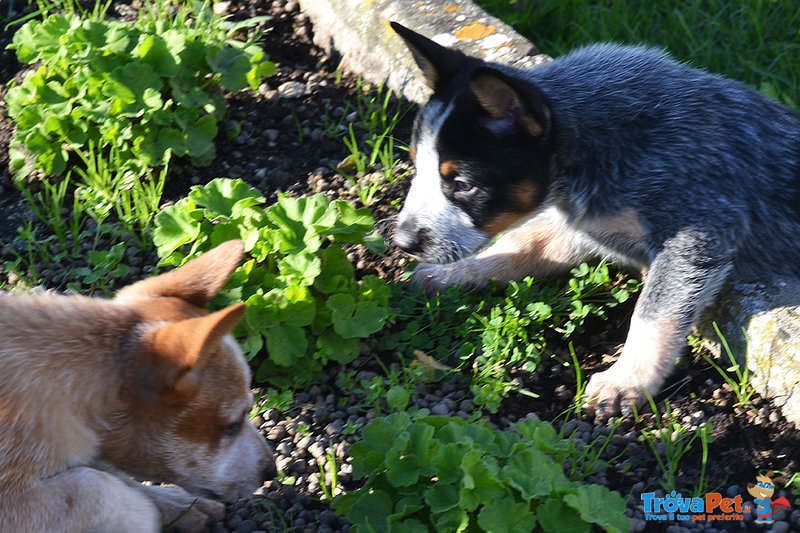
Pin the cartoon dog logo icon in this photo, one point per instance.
(762, 491)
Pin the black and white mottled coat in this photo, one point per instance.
(611, 151)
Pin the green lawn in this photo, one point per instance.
(755, 41)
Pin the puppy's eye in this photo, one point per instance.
(233, 429)
(459, 185)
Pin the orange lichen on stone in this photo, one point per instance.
(452, 8)
(474, 30)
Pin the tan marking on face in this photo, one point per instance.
(448, 169)
(190, 419)
(413, 152)
(501, 222)
(524, 196)
(186, 379)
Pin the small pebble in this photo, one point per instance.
(277, 433)
(780, 527)
(247, 526)
(291, 89)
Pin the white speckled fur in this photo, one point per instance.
(649, 162)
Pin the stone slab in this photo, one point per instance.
(761, 319)
(359, 31)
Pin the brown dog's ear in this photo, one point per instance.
(437, 63)
(182, 348)
(195, 282)
(508, 106)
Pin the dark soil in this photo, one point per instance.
(278, 144)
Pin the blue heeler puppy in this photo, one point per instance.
(610, 151)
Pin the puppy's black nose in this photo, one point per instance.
(408, 239)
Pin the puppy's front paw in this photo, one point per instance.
(612, 392)
(184, 512)
(432, 277)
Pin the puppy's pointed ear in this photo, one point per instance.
(510, 105)
(182, 349)
(437, 63)
(195, 282)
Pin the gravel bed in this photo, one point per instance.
(317, 425)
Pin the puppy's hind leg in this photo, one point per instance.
(545, 245)
(80, 499)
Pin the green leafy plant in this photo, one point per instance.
(736, 375)
(147, 89)
(444, 474)
(670, 441)
(580, 385)
(272, 399)
(105, 187)
(304, 305)
(98, 10)
(83, 257)
(329, 469)
(390, 393)
(373, 148)
(493, 331)
(793, 484)
(582, 460)
(104, 267)
(28, 250)
(48, 206)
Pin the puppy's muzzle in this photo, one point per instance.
(410, 238)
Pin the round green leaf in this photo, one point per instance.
(285, 344)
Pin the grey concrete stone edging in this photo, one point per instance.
(769, 313)
(359, 31)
